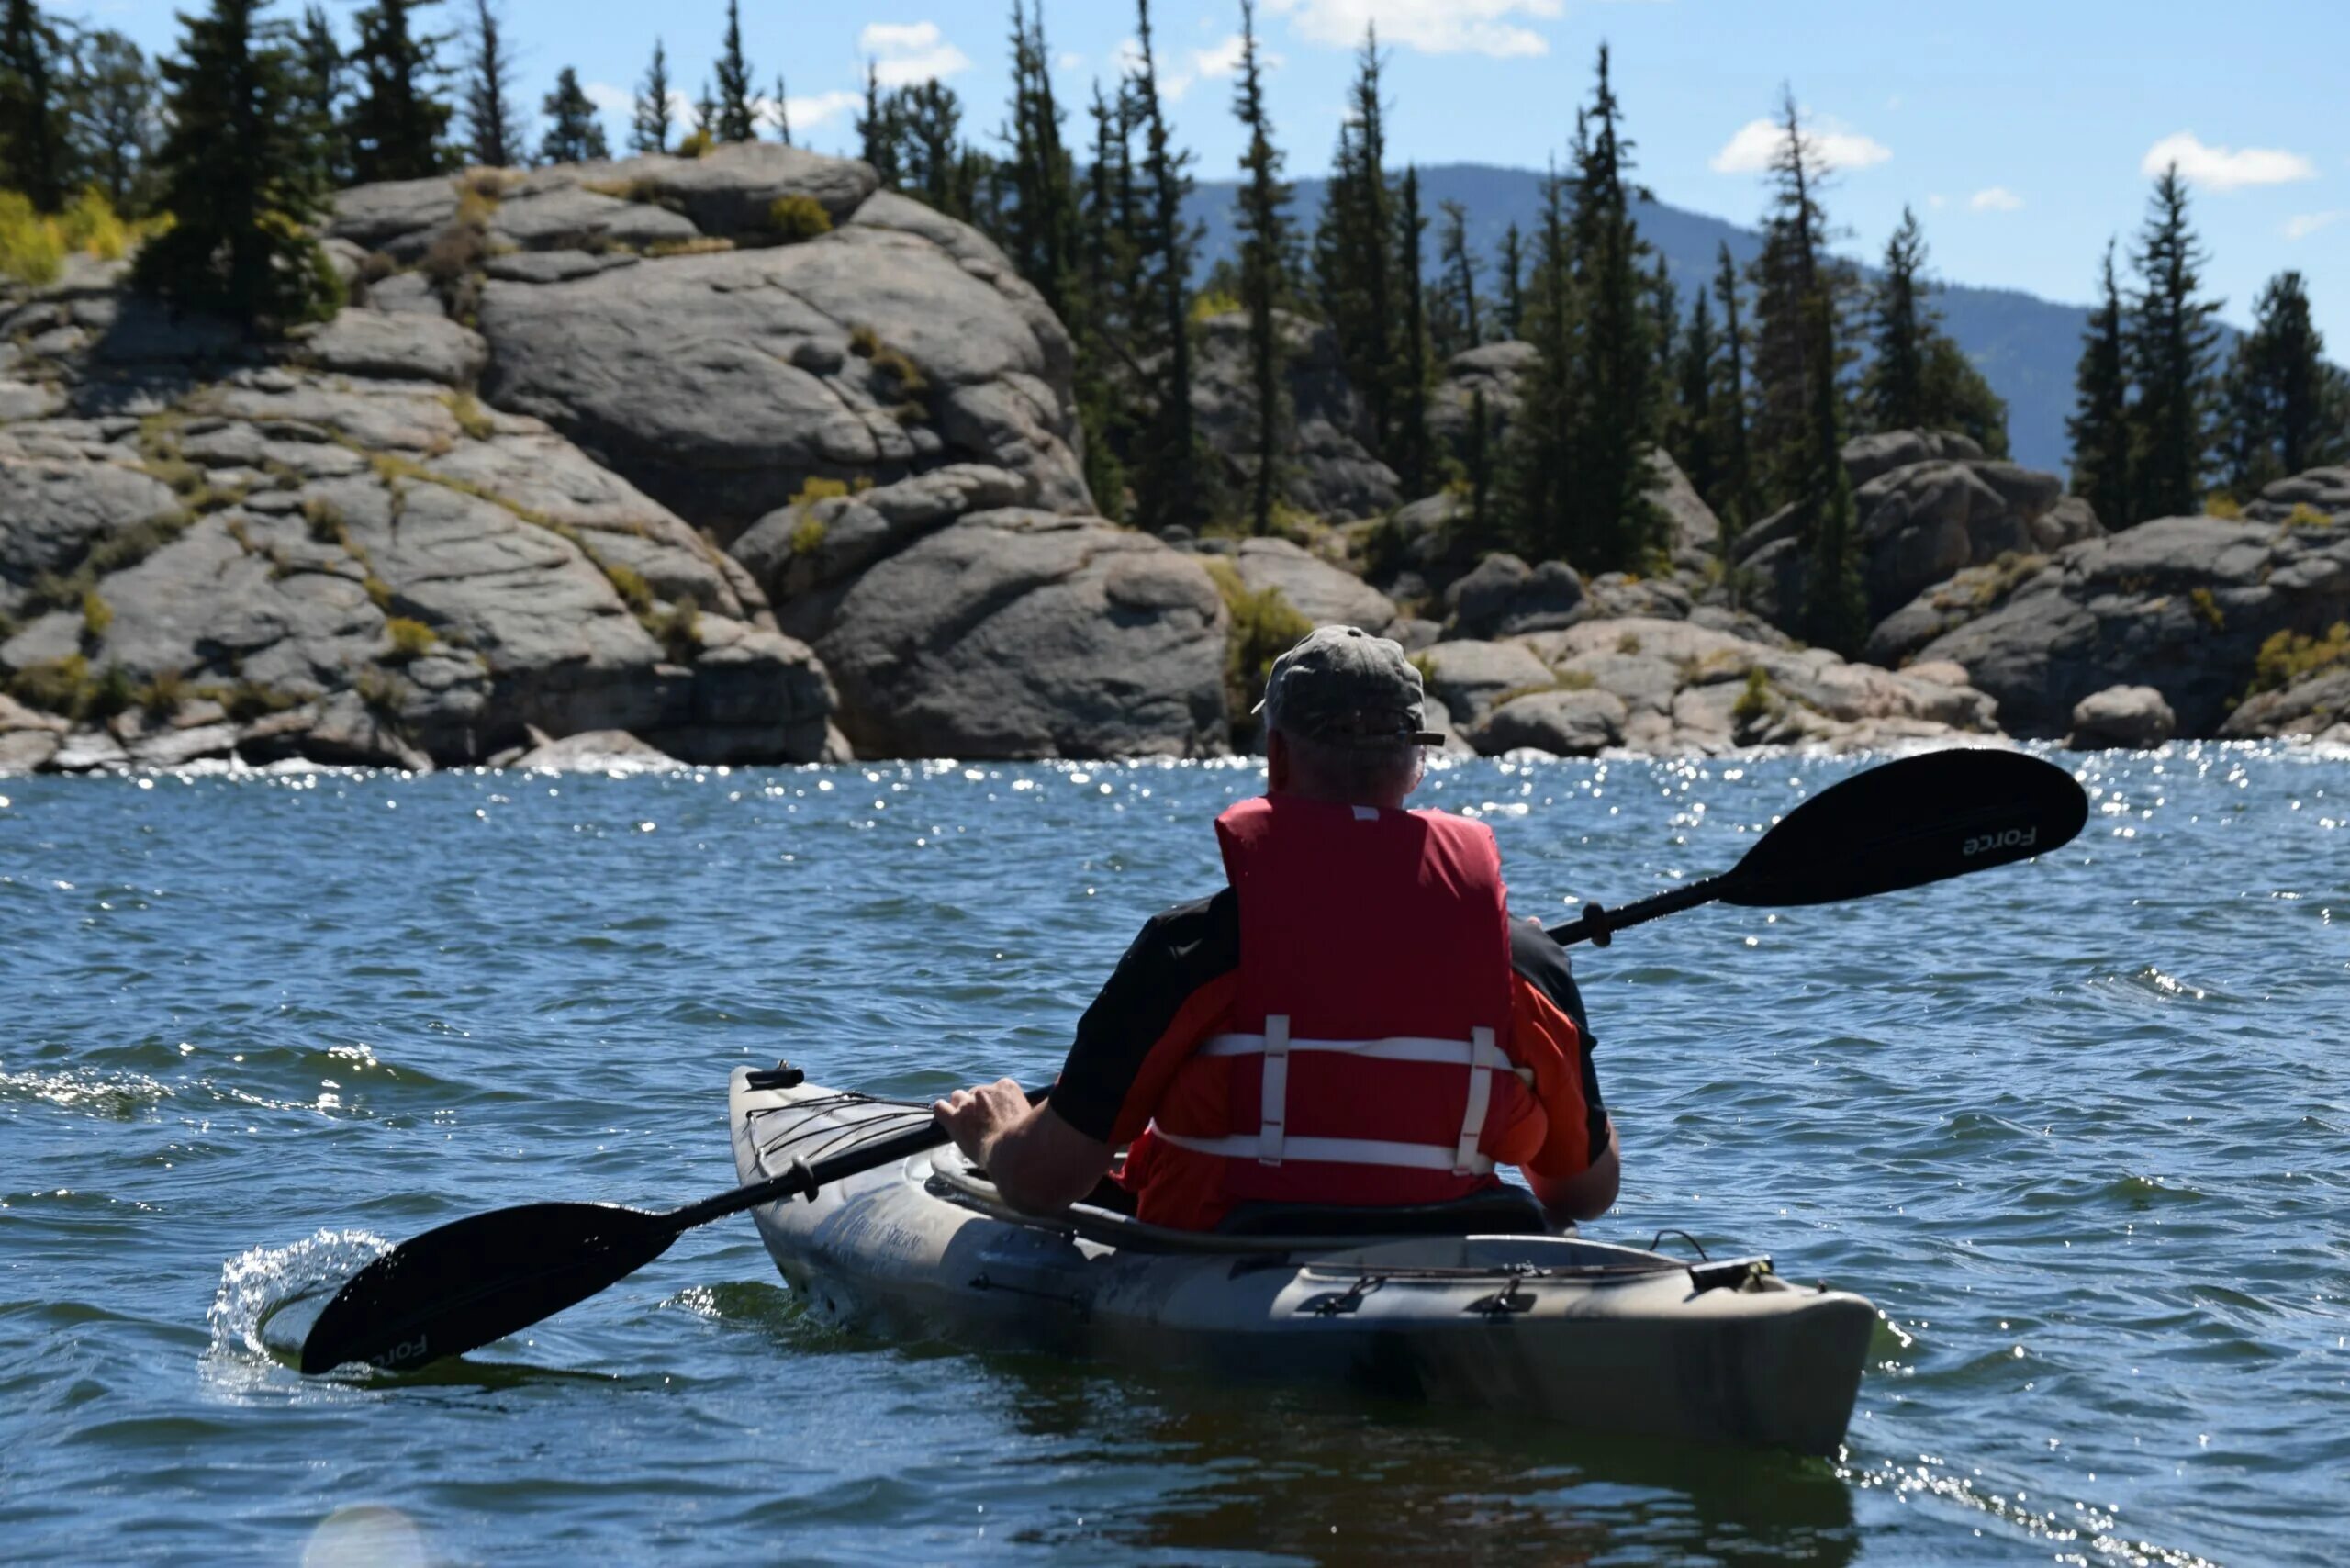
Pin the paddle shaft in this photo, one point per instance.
(803, 1180)
(1599, 925)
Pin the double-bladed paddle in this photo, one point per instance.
(1919, 819)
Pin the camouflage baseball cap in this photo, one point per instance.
(1342, 686)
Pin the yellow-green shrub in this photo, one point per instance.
(410, 639)
(2223, 505)
(1754, 703)
(90, 224)
(1264, 625)
(97, 614)
(2288, 655)
(796, 218)
(31, 249)
(696, 144)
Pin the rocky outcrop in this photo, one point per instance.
(2316, 706)
(2127, 718)
(2319, 494)
(1326, 471)
(1490, 373)
(2181, 604)
(1929, 506)
(1324, 593)
(1668, 688)
(1503, 596)
(1019, 633)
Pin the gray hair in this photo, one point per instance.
(1363, 775)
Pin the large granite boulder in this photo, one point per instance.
(2319, 494)
(722, 383)
(1490, 373)
(1563, 721)
(1324, 594)
(2181, 604)
(1503, 596)
(2126, 718)
(1692, 534)
(1326, 470)
(2316, 706)
(404, 347)
(292, 563)
(1924, 516)
(1018, 633)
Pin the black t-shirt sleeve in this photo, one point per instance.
(1542, 964)
(1177, 952)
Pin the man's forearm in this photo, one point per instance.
(1041, 1164)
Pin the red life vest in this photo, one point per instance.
(1368, 1047)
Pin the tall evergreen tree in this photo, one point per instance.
(237, 178)
(493, 137)
(114, 120)
(1266, 243)
(738, 118)
(2100, 424)
(1455, 322)
(1415, 453)
(780, 111)
(574, 133)
(648, 129)
(1168, 471)
(1689, 429)
(1512, 300)
(1354, 251)
(705, 126)
(1732, 499)
(1110, 271)
(1618, 526)
(877, 128)
(319, 89)
(2170, 357)
(35, 139)
(1893, 392)
(398, 123)
(1041, 227)
(2285, 410)
(1540, 459)
(1664, 332)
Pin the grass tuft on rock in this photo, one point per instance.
(630, 584)
(1264, 625)
(2207, 608)
(1758, 700)
(410, 639)
(797, 218)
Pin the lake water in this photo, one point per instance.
(2079, 1127)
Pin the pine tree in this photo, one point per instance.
(237, 178)
(114, 122)
(1455, 324)
(34, 134)
(1732, 499)
(1041, 228)
(574, 133)
(1538, 463)
(319, 85)
(1110, 272)
(1168, 471)
(1689, 433)
(1414, 454)
(738, 118)
(492, 137)
(780, 111)
(1354, 251)
(876, 130)
(398, 125)
(1893, 392)
(649, 122)
(1618, 526)
(1513, 264)
(2100, 425)
(704, 133)
(2286, 409)
(1664, 330)
(2170, 357)
(1266, 243)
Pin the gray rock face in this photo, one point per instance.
(803, 554)
(1563, 722)
(408, 347)
(1867, 456)
(572, 218)
(1493, 371)
(1504, 595)
(1324, 594)
(595, 751)
(2129, 717)
(1693, 530)
(2316, 705)
(1017, 633)
(867, 353)
(374, 215)
(2325, 491)
(1469, 675)
(1327, 471)
(2179, 604)
(368, 578)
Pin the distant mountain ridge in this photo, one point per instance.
(2025, 346)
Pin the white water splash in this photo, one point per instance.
(269, 1296)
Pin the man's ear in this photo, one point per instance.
(1276, 760)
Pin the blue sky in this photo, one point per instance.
(2020, 129)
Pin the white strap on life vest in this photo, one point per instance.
(1273, 1103)
(1270, 1143)
(1337, 1151)
(1480, 1095)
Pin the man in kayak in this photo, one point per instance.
(1354, 1019)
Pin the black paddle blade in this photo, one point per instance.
(1910, 821)
(476, 1280)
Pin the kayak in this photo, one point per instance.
(1477, 1306)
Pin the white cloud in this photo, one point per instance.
(904, 53)
(816, 109)
(1994, 199)
(1197, 65)
(610, 99)
(1070, 61)
(2302, 225)
(1937, 202)
(2225, 168)
(1430, 26)
(1750, 152)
